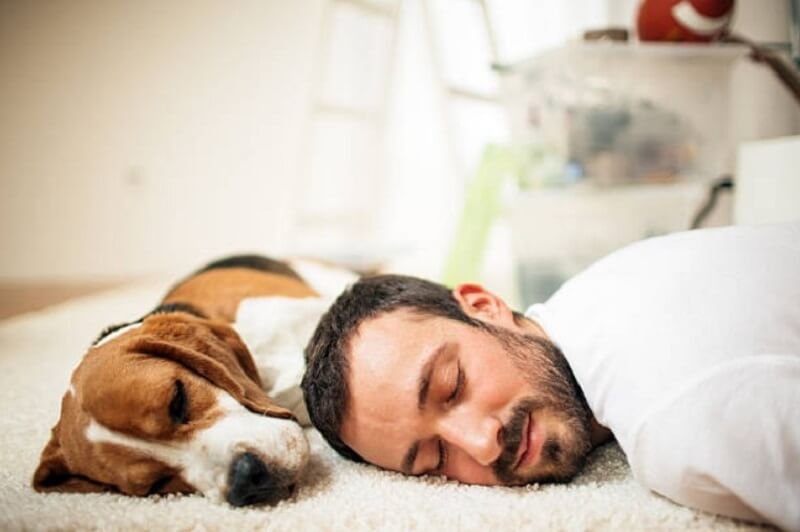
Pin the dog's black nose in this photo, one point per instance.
(251, 482)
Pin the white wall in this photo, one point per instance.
(423, 193)
(148, 136)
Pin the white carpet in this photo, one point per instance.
(38, 352)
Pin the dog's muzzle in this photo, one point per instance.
(250, 481)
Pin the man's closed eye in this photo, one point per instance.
(453, 396)
(457, 388)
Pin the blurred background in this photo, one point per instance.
(478, 140)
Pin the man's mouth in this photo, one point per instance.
(531, 445)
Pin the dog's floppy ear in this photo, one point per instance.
(53, 473)
(210, 349)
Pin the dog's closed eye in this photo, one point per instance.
(179, 405)
(159, 484)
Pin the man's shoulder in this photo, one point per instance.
(702, 271)
(696, 246)
(728, 441)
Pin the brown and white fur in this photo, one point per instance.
(173, 402)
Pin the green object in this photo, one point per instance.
(482, 205)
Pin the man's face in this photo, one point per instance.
(431, 395)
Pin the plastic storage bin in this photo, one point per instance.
(628, 112)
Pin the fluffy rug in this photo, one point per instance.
(38, 352)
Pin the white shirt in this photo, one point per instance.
(688, 348)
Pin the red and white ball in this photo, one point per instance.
(683, 20)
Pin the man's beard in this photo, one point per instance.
(555, 392)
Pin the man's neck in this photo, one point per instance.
(530, 326)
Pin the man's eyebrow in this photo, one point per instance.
(424, 381)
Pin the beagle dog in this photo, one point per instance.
(173, 402)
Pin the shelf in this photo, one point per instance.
(636, 50)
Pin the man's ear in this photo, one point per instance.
(477, 302)
(53, 473)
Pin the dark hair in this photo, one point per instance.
(324, 384)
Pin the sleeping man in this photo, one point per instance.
(685, 348)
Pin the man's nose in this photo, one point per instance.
(479, 436)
